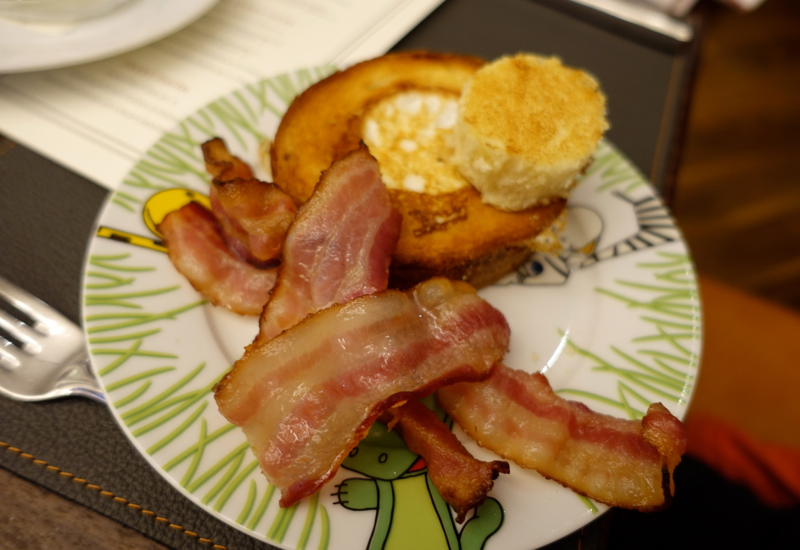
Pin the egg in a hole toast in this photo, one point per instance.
(404, 107)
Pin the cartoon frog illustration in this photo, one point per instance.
(409, 512)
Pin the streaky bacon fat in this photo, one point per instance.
(307, 397)
(339, 245)
(619, 462)
(462, 480)
(196, 248)
(253, 214)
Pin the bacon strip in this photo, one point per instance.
(339, 246)
(462, 480)
(196, 248)
(221, 164)
(307, 397)
(619, 462)
(254, 215)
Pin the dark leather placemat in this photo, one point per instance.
(74, 446)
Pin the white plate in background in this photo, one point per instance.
(126, 28)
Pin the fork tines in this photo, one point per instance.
(22, 317)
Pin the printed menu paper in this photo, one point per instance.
(99, 118)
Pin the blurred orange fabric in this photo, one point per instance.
(770, 471)
(744, 420)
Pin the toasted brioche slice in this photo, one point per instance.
(527, 127)
(448, 231)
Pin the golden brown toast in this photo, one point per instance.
(453, 234)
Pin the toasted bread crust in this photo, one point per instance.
(472, 241)
(451, 234)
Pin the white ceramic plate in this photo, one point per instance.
(614, 321)
(126, 28)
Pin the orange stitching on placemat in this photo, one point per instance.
(111, 495)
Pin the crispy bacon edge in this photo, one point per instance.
(655, 444)
(221, 164)
(462, 480)
(254, 216)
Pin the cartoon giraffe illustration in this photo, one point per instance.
(409, 512)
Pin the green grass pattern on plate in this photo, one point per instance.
(651, 374)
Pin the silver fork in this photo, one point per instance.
(42, 353)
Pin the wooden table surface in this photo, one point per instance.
(61, 524)
(738, 187)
